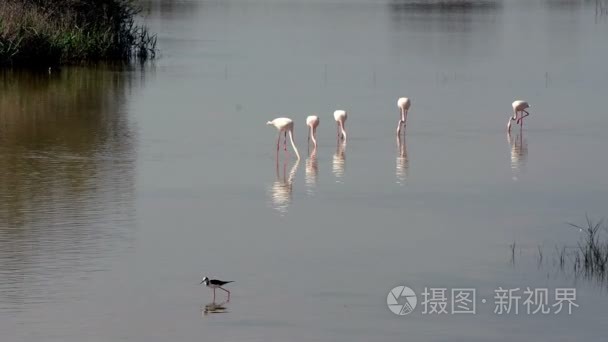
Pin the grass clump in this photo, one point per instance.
(591, 258)
(51, 32)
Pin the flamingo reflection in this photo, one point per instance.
(281, 188)
(403, 164)
(519, 153)
(312, 171)
(339, 161)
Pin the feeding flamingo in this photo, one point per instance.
(518, 107)
(284, 125)
(404, 105)
(312, 122)
(340, 117)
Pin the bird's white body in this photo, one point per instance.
(519, 107)
(312, 122)
(284, 125)
(340, 117)
(403, 103)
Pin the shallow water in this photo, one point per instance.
(121, 187)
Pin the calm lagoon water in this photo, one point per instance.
(122, 187)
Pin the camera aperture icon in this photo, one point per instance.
(401, 300)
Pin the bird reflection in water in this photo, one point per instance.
(403, 164)
(312, 171)
(281, 189)
(339, 161)
(519, 153)
(214, 308)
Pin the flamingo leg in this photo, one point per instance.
(285, 142)
(309, 135)
(278, 142)
(523, 116)
(519, 117)
(521, 128)
(214, 295)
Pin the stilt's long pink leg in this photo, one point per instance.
(228, 292)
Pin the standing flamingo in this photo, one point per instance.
(518, 107)
(340, 117)
(312, 122)
(284, 125)
(404, 106)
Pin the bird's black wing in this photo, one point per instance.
(219, 282)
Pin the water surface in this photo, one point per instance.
(122, 186)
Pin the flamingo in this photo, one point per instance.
(518, 107)
(284, 125)
(340, 117)
(312, 122)
(404, 105)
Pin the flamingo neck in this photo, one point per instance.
(342, 128)
(312, 136)
(293, 144)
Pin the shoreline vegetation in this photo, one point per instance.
(46, 33)
(587, 259)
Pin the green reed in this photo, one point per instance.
(43, 33)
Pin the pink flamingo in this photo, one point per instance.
(404, 106)
(518, 107)
(340, 117)
(312, 122)
(284, 125)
